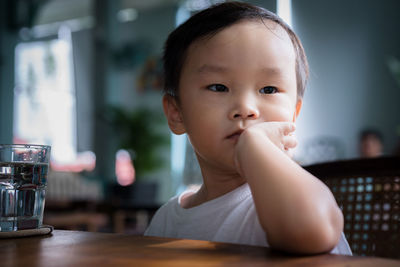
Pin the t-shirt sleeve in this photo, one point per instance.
(156, 225)
(342, 247)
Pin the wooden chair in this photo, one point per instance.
(368, 192)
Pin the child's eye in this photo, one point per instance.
(217, 88)
(268, 90)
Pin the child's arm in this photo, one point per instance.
(297, 211)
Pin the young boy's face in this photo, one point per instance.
(243, 75)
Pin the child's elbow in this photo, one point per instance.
(323, 240)
(328, 234)
(315, 241)
(310, 238)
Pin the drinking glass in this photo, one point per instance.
(23, 180)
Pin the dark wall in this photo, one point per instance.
(268, 4)
(347, 43)
(83, 58)
(8, 39)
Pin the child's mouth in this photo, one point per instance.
(235, 135)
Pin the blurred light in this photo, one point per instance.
(124, 169)
(197, 5)
(284, 10)
(182, 15)
(64, 33)
(44, 30)
(178, 153)
(126, 15)
(85, 161)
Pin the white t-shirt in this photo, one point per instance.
(231, 218)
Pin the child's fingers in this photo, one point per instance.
(289, 141)
(288, 127)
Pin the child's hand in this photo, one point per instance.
(280, 134)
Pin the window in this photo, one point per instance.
(44, 96)
(284, 10)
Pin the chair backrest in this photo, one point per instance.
(368, 192)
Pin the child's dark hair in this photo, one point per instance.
(371, 132)
(209, 22)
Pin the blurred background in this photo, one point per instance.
(85, 76)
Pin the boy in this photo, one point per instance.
(235, 76)
(370, 143)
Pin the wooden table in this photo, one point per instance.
(72, 248)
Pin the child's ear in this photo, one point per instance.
(298, 108)
(173, 114)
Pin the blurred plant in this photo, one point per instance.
(394, 67)
(137, 132)
(131, 55)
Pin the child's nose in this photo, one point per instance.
(244, 111)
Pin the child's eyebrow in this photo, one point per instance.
(271, 71)
(206, 68)
(211, 68)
